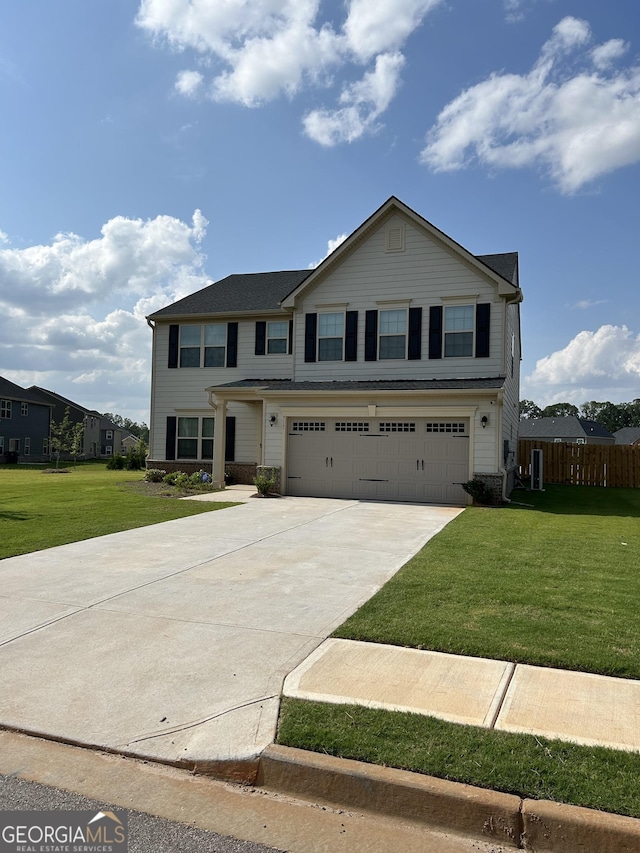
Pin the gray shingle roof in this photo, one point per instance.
(627, 435)
(259, 291)
(506, 265)
(11, 391)
(568, 427)
(370, 385)
(264, 291)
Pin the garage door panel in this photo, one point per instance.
(399, 460)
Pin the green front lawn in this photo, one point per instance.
(518, 764)
(40, 510)
(557, 585)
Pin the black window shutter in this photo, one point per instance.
(435, 331)
(310, 329)
(483, 326)
(261, 337)
(371, 336)
(174, 335)
(232, 344)
(415, 333)
(351, 337)
(290, 349)
(230, 443)
(170, 448)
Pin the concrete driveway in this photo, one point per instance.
(172, 642)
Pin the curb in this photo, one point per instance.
(396, 793)
(538, 826)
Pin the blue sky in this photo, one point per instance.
(151, 146)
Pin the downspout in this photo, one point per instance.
(152, 326)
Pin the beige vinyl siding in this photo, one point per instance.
(418, 276)
(184, 389)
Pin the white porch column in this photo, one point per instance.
(219, 441)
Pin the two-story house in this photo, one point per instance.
(389, 372)
(24, 424)
(101, 438)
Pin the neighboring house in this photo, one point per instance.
(101, 439)
(389, 372)
(627, 435)
(129, 442)
(24, 424)
(569, 429)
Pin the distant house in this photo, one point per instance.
(24, 424)
(129, 442)
(570, 429)
(628, 435)
(102, 438)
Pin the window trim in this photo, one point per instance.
(202, 346)
(465, 331)
(269, 338)
(199, 438)
(5, 410)
(24, 409)
(341, 337)
(382, 335)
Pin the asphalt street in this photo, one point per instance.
(147, 834)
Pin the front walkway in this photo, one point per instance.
(593, 710)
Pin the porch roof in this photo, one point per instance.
(347, 386)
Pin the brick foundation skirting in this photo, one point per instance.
(242, 472)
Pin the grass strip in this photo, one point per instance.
(40, 510)
(553, 585)
(524, 765)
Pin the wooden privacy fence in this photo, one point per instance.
(612, 465)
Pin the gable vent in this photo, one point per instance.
(394, 238)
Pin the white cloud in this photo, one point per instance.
(188, 83)
(606, 54)
(258, 50)
(58, 323)
(605, 362)
(332, 245)
(577, 124)
(363, 103)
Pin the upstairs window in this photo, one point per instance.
(277, 336)
(190, 346)
(393, 334)
(458, 331)
(331, 336)
(215, 344)
(24, 409)
(211, 345)
(5, 409)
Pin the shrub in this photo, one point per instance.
(264, 483)
(154, 475)
(170, 478)
(116, 463)
(182, 480)
(478, 490)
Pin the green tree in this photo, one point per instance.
(528, 409)
(66, 436)
(560, 410)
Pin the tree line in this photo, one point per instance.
(611, 416)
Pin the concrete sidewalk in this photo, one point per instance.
(171, 642)
(593, 710)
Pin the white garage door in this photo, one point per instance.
(400, 460)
